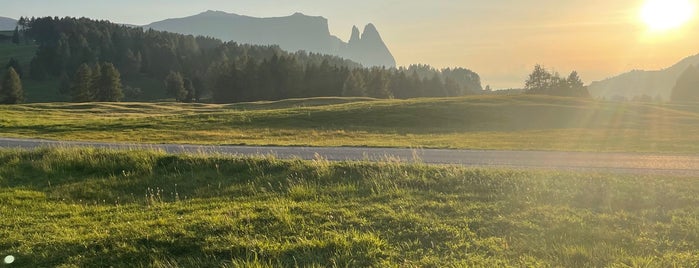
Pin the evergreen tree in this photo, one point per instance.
(109, 88)
(15, 36)
(174, 86)
(14, 63)
(95, 81)
(191, 91)
(81, 86)
(452, 88)
(354, 85)
(11, 88)
(37, 70)
(377, 86)
(434, 87)
(574, 86)
(64, 87)
(539, 81)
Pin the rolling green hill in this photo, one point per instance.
(479, 122)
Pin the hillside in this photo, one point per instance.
(291, 33)
(638, 82)
(476, 122)
(218, 72)
(101, 208)
(7, 24)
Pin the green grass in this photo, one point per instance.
(23, 53)
(100, 208)
(478, 122)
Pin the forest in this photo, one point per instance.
(197, 68)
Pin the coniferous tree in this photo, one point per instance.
(14, 63)
(81, 86)
(37, 70)
(109, 88)
(64, 87)
(377, 86)
(354, 85)
(452, 88)
(95, 80)
(174, 86)
(434, 87)
(191, 91)
(15, 36)
(11, 88)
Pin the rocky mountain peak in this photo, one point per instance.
(355, 35)
(293, 33)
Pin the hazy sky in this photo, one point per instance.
(500, 39)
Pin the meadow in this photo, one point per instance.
(522, 122)
(99, 208)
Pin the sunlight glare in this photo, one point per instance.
(661, 15)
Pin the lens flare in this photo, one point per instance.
(662, 15)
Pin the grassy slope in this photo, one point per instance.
(101, 208)
(479, 122)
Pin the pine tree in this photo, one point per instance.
(191, 91)
(15, 36)
(377, 86)
(11, 88)
(81, 86)
(64, 86)
(14, 63)
(109, 87)
(539, 81)
(354, 85)
(452, 88)
(174, 86)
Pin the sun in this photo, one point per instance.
(661, 15)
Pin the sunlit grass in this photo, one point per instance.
(101, 208)
(479, 122)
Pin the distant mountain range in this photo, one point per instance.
(637, 82)
(291, 33)
(7, 24)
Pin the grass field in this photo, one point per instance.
(477, 122)
(98, 208)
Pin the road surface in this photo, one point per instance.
(634, 163)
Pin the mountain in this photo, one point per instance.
(292, 33)
(7, 24)
(637, 82)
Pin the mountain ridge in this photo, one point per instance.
(643, 82)
(293, 33)
(7, 24)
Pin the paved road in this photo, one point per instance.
(684, 165)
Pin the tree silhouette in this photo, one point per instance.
(543, 82)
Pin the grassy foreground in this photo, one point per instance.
(99, 208)
(478, 122)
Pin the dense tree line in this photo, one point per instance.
(194, 68)
(544, 82)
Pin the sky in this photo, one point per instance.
(501, 40)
